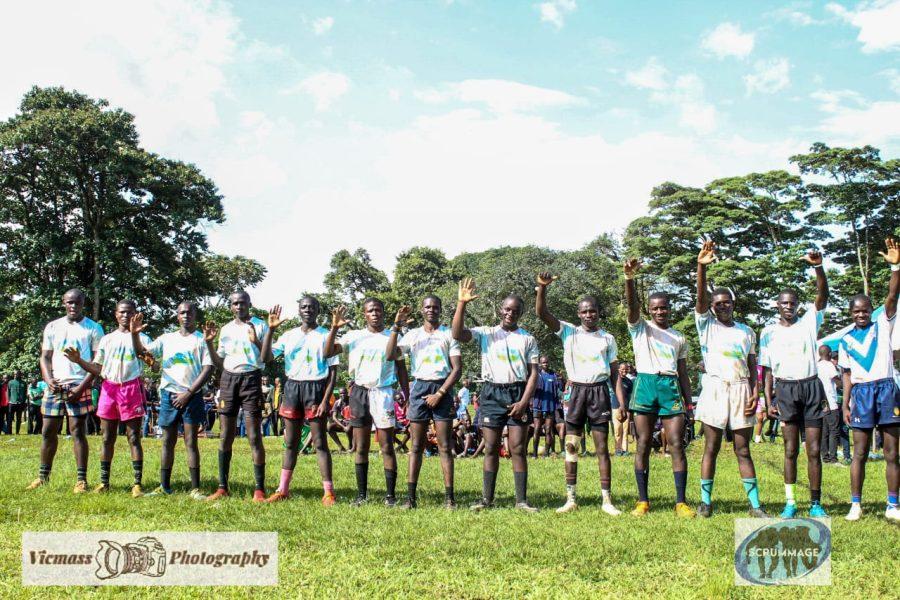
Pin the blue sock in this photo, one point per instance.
(892, 499)
(751, 486)
(706, 486)
(856, 499)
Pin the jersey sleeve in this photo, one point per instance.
(99, 354)
(612, 351)
(205, 358)
(752, 347)
(347, 341)
(262, 328)
(96, 337)
(532, 353)
(278, 346)
(478, 333)
(155, 347)
(703, 321)
(406, 341)
(635, 329)
(47, 338)
(763, 357)
(454, 349)
(843, 358)
(682, 350)
(565, 330)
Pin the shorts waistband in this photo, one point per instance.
(596, 383)
(306, 380)
(241, 374)
(430, 380)
(730, 381)
(659, 374)
(804, 380)
(504, 385)
(876, 382)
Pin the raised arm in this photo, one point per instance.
(136, 326)
(540, 301)
(892, 256)
(466, 294)
(75, 356)
(704, 258)
(338, 320)
(210, 331)
(274, 321)
(400, 320)
(631, 267)
(814, 258)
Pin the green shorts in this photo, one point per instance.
(656, 394)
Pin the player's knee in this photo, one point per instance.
(861, 452)
(320, 443)
(742, 452)
(134, 438)
(791, 451)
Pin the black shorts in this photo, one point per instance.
(301, 399)
(801, 400)
(589, 403)
(559, 416)
(420, 412)
(496, 398)
(241, 390)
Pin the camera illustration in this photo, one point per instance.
(145, 556)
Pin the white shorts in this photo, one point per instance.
(722, 403)
(372, 407)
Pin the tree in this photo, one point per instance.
(352, 276)
(419, 271)
(226, 274)
(82, 204)
(864, 188)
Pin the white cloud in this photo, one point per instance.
(651, 76)
(322, 25)
(325, 88)
(727, 39)
(169, 71)
(769, 76)
(893, 77)
(878, 22)
(688, 97)
(851, 120)
(499, 95)
(555, 11)
(794, 15)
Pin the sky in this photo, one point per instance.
(461, 124)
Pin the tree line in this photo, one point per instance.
(82, 204)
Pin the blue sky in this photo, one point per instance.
(462, 124)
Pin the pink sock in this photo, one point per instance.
(285, 485)
(328, 487)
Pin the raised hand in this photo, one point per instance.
(467, 290)
(544, 278)
(275, 319)
(210, 331)
(813, 257)
(72, 354)
(707, 253)
(339, 317)
(136, 324)
(631, 266)
(892, 256)
(403, 316)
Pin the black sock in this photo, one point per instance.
(259, 474)
(224, 468)
(815, 496)
(680, 485)
(362, 479)
(104, 471)
(80, 474)
(642, 476)
(521, 481)
(448, 493)
(489, 482)
(44, 472)
(195, 478)
(165, 479)
(390, 482)
(138, 467)
(411, 491)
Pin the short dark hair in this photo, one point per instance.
(658, 296)
(789, 292)
(433, 297)
(239, 292)
(77, 292)
(370, 299)
(190, 304)
(517, 298)
(859, 298)
(131, 303)
(590, 300)
(310, 297)
(722, 291)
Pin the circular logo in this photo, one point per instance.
(782, 552)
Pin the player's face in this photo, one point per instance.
(788, 305)
(74, 304)
(723, 307)
(659, 311)
(374, 315)
(309, 310)
(124, 312)
(240, 306)
(861, 313)
(545, 363)
(588, 313)
(187, 316)
(510, 311)
(431, 310)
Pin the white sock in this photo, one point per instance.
(789, 493)
(607, 496)
(758, 439)
(570, 493)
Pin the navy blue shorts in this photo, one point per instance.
(874, 403)
(419, 412)
(496, 399)
(192, 414)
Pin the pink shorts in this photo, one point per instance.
(121, 401)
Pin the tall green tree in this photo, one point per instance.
(82, 204)
(226, 274)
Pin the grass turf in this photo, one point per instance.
(377, 552)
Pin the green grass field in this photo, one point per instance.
(377, 552)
